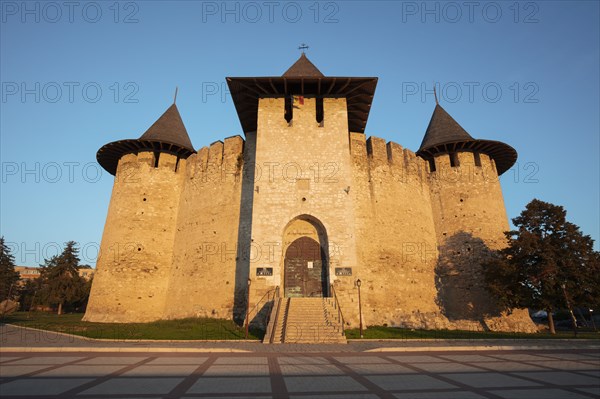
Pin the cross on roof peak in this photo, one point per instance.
(303, 47)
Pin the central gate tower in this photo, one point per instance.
(302, 196)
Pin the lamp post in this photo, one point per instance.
(248, 307)
(573, 319)
(592, 318)
(358, 283)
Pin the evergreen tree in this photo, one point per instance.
(61, 284)
(548, 264)
(8, 275)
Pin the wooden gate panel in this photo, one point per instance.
(305, 271)
(294, 278)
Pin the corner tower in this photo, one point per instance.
(137, 243)
(470, 219)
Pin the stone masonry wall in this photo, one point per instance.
(184, 238)
(133, 269)
(396, 236)
(470, 219)
(303, 172)
(203, 276)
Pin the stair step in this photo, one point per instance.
(307, 320)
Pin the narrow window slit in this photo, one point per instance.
(319, 105)
(289, 110)
(432, 165)
(454, 160)
(477, 159)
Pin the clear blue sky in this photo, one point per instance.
(542, 56)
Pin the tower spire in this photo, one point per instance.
(168, 133)
(435, 95)
(444, 135)
(175, 97)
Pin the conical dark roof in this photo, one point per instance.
(169, 128)
(442, 129)
(444, 135)
(168, 134)
(303, 68)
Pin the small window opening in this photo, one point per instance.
(177, 164)
(156, 157)
(477, 159)
(289, 110)
(454, 160)
(319, 105)
(432, 165)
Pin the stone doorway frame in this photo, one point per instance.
(319, 234)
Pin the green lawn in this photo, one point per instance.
(183, 329)
(216, 329)
(379, 332)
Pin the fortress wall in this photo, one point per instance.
(470, 218)
(304, 173)
(395, 235)
(203, 276)
(130, 284)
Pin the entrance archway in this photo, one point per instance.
(305, 260)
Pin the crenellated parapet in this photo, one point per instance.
(374, 155)
(219, 163)
(146, 164)
(464, 167)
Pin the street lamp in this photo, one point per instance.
(358, 283)
(248, 307)
(592, 318)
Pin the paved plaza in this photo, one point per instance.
(43, 364)
(334, 375)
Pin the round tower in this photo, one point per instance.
(470, 219)
(136, 252)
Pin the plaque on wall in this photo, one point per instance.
(264, 271)
(343, 271)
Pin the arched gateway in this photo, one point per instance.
(305, 263)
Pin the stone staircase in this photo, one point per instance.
(304, 320)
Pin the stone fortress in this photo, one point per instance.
(303, 206)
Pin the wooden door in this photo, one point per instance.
(305, 269)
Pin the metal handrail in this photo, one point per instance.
(274, 324)
(336, 305)
(268, 316)
(285, 316)
(266, 294)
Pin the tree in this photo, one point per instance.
(8, 275)
(60, 281)
(29, 295)
(548, 263)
